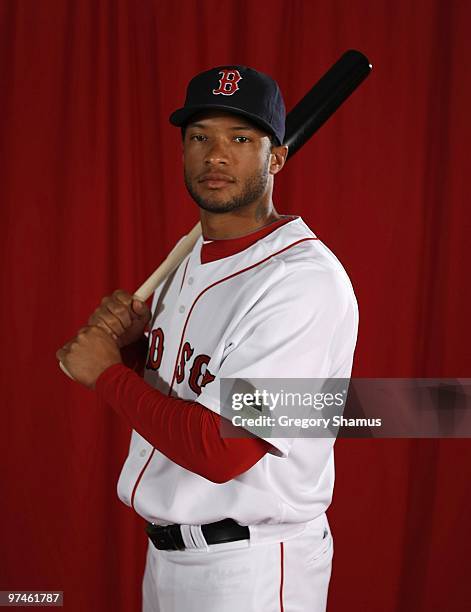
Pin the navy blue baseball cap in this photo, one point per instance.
(236, 89)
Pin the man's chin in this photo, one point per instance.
(215, 207)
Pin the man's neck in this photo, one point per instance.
(237, 223)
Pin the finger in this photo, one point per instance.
(97, 330)
(60, 354)
(66, 346)
(103, 332)
(103, 313)
(125, 298)
(105, 325)
(137, 309)
(121, 311)
(80, 338)
(122, 296)
(107, 322)
(141, 309)
(102, 325)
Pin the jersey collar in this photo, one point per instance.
(213, 250)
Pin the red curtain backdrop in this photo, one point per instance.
(92, 198)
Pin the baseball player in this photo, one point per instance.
(233, 523)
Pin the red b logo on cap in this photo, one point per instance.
(228, 82)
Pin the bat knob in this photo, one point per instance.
(65, 370)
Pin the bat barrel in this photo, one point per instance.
(324, 98)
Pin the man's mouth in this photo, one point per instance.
(214, 180)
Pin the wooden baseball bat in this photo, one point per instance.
(320, 103)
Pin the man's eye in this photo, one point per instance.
(198, 137)
(242, 139)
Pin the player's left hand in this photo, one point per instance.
(89, 354)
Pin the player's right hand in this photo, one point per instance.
(122, 316)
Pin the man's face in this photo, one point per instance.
(226, 161)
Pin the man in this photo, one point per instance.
(234, 523)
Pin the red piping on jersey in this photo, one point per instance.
(282, 574)
(222, 280)
(139, 478)
(184, 273)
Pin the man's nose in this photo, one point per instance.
(217, 153)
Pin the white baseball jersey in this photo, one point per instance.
(282, 308)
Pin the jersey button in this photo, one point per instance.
(190, 280)
(143, 452)
(181, 309)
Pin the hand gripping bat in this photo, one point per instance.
(320, 103)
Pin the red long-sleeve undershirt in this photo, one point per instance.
(185, 432)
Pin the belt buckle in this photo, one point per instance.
(162, 536)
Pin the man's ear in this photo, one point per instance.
(278, 157)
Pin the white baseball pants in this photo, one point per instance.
(289, 576)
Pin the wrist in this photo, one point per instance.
(109, 370)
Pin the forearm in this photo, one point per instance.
(185, 432)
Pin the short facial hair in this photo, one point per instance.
(254, 188)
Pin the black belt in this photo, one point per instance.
(169, 537)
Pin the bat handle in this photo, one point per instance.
(173, 259)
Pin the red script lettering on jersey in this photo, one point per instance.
(199, 374)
